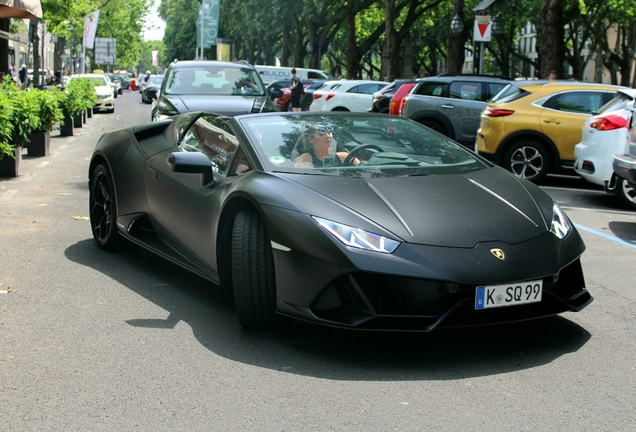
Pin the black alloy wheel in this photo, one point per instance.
(103, 209)
(253, 272)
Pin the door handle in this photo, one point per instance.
(447, 106)
(552, 121)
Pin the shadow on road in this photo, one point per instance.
(324, 352)
(624, 230)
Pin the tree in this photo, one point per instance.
(551, 38)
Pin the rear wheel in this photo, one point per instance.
(626, 194)
(103, 208)
(253, 271)
(527, 159)
(435, 125)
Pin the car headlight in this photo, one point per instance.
(357, 238)
(561, 225)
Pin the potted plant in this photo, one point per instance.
(24, 117)
(9, 164)
(50, 113)
(72, 105)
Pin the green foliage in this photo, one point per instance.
(78, 96)
(6, 126)
(24, 113)
(49, 112)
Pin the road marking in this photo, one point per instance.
(600, 192)
(8, 195)
(607, 236)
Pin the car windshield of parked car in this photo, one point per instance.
(155, 80)
(96, 81)
(355, 145)
(213, 80)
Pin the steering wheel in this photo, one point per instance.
(348, 160)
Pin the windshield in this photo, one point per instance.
(355, 145)
(95, 81)
(155, 80)
(213, 80)
(617, 103)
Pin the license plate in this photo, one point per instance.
(492, 296)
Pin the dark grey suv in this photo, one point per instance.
(221, 87)
(452, 104)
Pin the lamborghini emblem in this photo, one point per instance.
(498, 253)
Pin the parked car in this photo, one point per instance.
(382, 98)
(531, 127)
(348, 95)
(604, 135)
(451, 104)
(284, 101)
(149, 92)
(403, 230)
(104, 90)
(229, 88)
(624, 162)
(308, 95)
(395, 106)
(117, 80)
(276, 73)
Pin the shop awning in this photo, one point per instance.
(20, 9)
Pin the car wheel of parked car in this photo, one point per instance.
(103, 209)
(527, 159)
(626, 194)
(340, 109)
(253, 271)
(435, 125)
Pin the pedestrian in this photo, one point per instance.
(553, 75)
(22, 73)
(11, 71)
(133, 83)
(296, 91)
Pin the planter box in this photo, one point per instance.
(89, 112)
(77, 121)
(84, 116)
(39, 144)
(10, 167)
(67, 128)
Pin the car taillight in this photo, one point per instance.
(495, 112)
(317, 96)
(610, 122)
(402, 106)
(329, 96)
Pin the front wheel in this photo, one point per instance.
(626, 194)
(103, 209)
(253, 271)
(528, 159)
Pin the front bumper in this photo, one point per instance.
(420, 288)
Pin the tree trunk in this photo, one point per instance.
(391, 52)
(4, 46)
(455, 54)
(551, 39)
(352, 66)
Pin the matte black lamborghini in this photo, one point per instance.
(361, 221)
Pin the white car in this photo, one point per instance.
(103, 89)
(346, 95)
(604, 134)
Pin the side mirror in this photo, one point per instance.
(192, 163)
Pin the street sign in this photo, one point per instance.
(105, 51)
(210, 23)
(483, 27)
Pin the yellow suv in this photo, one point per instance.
(531, 127)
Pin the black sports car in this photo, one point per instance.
(362, 221)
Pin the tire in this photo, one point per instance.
(527, 159)
(435, 125)
(103, 209)
(340, 109)
(626, 194)
(253, 271)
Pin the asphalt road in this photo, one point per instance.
(125, 341)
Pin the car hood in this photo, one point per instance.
(227, 105)
(442, 210)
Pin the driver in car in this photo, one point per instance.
(319, 150)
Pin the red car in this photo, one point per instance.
(395, 105)
(284, 102)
